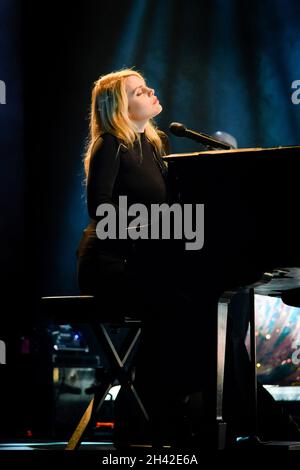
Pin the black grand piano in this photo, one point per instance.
(251, 200)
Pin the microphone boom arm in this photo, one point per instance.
(180, 130)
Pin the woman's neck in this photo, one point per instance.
(140, 125)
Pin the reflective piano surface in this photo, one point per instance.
(251, 200)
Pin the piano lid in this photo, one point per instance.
(245, 152)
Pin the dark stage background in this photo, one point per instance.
(215, 65)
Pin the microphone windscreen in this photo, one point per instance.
(177, 129)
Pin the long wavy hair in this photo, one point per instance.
(109, 113)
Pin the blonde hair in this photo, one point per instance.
(109, 113)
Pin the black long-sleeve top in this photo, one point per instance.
(138, 173)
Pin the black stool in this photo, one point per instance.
(86, 309)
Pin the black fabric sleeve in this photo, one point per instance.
(103, 170)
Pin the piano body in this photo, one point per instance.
(251, 200)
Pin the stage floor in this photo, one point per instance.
(53, 445)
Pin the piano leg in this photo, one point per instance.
(252, 323)
(205, 407)
(222, 315)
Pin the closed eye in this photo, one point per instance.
(142, 90)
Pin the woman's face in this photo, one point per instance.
(142, 102)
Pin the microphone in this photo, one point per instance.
(181, 131)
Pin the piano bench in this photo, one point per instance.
(87, 309)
